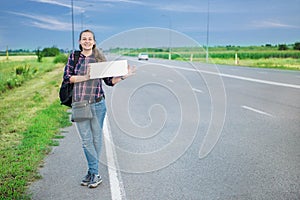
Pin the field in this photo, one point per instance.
(31, 117)
(263, 57)
(18, 58)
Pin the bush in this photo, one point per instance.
(282, 47)
(297, 46)
(61, 58)
(48, 52)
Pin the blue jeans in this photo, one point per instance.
(91, 135)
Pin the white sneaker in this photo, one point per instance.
(95, 181)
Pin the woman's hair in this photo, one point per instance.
(98, 55)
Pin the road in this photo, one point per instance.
(179, 130)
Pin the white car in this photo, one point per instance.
(143, 56)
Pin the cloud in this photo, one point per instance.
(271, 24)
(60, 3)
(53, 2)
(123, 1)
(44, 22)
(51, 23)
(182, 8)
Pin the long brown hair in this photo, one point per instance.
(98, 55)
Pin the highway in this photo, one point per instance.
(181, 130)
(249, 118)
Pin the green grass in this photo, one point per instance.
(14, 73)
(18, 164)
(31, 118)
(260, 57)
(274, 63)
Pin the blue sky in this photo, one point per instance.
(28, 24)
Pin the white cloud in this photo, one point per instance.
(182, 8)
(51, 23)
(44, 22)
(123, 1)
(54, 3)
(60, 3)
(271, 24)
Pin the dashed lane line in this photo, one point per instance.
(257, 111)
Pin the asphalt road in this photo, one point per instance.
(180, 130)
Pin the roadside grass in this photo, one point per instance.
(264, 58)
(14, 73)
(31, 118)
(273, 63)
(19, 163)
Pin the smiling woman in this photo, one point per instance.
(89, 95)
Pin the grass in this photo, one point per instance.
(31, 117)
(260, 57)
(273, 63)
(19, 163)
(14, 73)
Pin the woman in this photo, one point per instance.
(90, 90)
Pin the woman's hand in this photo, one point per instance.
(131, 71)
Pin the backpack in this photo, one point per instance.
(66, 89)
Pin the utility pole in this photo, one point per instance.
(72, 26)
(6, 52)
(207, 31)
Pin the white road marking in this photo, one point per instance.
(232, 76)
(257, 111)
(197, 90)
(116, 186)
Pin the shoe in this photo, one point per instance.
(86, 180)
(95, 181)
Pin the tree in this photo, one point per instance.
(282, 47)
(49, 52)
(297, 46)
(39, 55)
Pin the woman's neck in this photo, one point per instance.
(87, 52)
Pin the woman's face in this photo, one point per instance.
(87, 41)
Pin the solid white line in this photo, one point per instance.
(116, 187)
(197, 90)
(232, 76)
(257, 111)
(262, 81)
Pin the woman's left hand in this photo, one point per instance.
(131, 71)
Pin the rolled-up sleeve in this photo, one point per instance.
(108, 81)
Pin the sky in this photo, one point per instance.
(32, 24)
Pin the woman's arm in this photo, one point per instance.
(77, 79)
(131, 71)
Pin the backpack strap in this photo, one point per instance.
(76, 57)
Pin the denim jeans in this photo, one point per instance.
(91, 135)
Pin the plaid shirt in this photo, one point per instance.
(88, 90)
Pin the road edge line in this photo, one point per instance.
(116, 186)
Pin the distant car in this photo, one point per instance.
(143, 56)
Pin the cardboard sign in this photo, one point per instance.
(108, 69)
